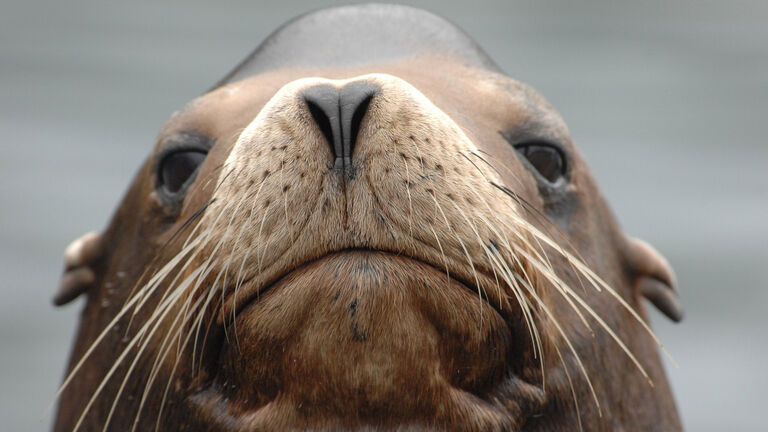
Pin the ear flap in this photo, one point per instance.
(79, 275)
(654, 278)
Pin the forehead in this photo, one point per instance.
(359, 35)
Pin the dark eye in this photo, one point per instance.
(547, 159)
(177, 168)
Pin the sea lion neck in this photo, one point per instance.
(313, 40)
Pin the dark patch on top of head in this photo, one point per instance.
(358, 35)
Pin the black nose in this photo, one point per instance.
(338, 113)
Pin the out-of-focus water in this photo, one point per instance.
(667, 100)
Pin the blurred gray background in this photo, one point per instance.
(667, 100)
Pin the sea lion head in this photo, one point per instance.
(366, 225)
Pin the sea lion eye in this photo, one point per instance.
(547, 159)
(177, 168)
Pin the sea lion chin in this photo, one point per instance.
(366, 225)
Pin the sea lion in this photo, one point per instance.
(366, 225)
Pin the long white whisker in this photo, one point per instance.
(165, 308)
(466, 253)
(165, 348)
(562, 288)
(560, 330)
(524, 306)
(153, 283)
(176, 363)
(143, 345)
(570, 383)
(407, 191)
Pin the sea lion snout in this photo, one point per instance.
(409, 184)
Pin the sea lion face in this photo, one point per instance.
(376, 246)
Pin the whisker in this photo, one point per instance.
(582, 270)
(157, 256)
(166, 308)
(152, 285)
(206, 236)
(175, 365)
(570, 384)
(237, 238)
(209, 267)
(481, 244)
(562, 333)
(522, 301)
(597, 283)
(466, 253)
(165, 349)
(129, 372)
(498, 260)
(240, 275)
(565, 292)
(261, 254)
(408, 193)
(137, 302)
(524, 306)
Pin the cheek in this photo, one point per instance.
(591, 225)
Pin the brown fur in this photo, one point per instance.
(371, 301)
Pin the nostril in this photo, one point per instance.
(324, 123)
(323, 104)
(357, 119)
(355, 99)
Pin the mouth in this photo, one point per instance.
(233, 306)
(355, 337)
